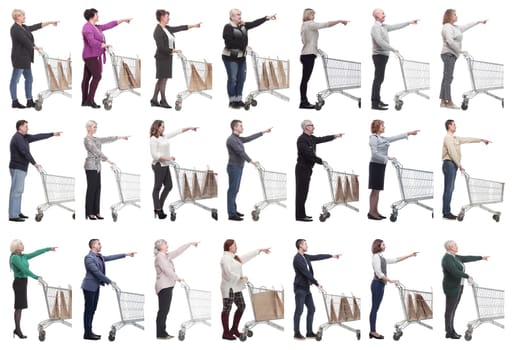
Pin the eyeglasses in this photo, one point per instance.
(309, 125)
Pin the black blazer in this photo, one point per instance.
(22, 53)
(162, 41)
(304, 273)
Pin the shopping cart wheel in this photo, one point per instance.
(358, 335)
(502, 103)
(243, 337)
(214, 214)
(359, 103)
(323, 217)
(255, 215)
(114, 216)
(178, 105)
(318, 106)
(172, 216)
(39, 217)
(496, 217)
(39, 105)
(468, 336)
(461, 216)
(399, 105)
(181, 335)
(42, 335)
(247, 106)
(73, 216)
(393, 217)
(464, 105)
(112, 335)
(107, 104)
(254, 103)
(397, 335)
(250, 333)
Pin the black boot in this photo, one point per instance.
(226, 328)
(17, 104)
(30, 103)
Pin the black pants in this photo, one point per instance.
(162, 181)
(94, 186)
(451, 303)
(91, 302)
(165, 295)
(380, 63)
(303, 175)
(308, 62)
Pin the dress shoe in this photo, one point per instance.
(91, 337)
(311, 335)
(305, 219)
(21, 216)
(18, 333)
(164, 104)
(165, 337)
(91, 217)
(371, 217)
(91, 104)
(235, 218)
(382, 216)
(452, 336)
(306, 105)
(17, 219)
(99, 217)
(96, 335)
(234, 105)
(30, 103)
(17, 104)
(241, 104)
(308, 217)
(376, 336)
(456, 334)
(379, 108)
(84, 104)
(239, 214)
(382, 104)
(154, 103)
(160, 214)
(450, 216)
(299, 337)
(228, 336)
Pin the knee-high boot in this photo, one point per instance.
(226, 328)
(236, 320)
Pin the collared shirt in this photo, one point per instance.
(451, 147)
(379, 265)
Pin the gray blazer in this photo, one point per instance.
(95, 270)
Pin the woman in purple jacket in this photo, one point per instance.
(94, 54)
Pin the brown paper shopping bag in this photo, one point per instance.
(63, 81)
(209, 185)
(64, 314)
(264, 82)
(70, 303)
(427, 313)
(196, 83)
(55, 309)
(186, 188)
(132, 81)
(339, 193)
(283, 76)
(280, 308)
(123, 83)
(54, 84)
(356, 309)
(410, 308)
(208, 77)
(345, 314)
(333, 312)
(355, 188)
(69, 71)
(348, 195)
(266, 306)
(273, 83)
(196, 190)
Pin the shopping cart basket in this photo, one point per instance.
(129, 189)
(267, 306)
(340, 309)
(344, 188)
(484, 76)
(274, 188)
(271, 74)
(415, 79)
(127, 75)
(194, 186)
(58, 190)
(59, 306)
(340, 76)
(199, 308)
(415, 185)
(58, 76)
(489, 307)
(131, 310)
(481, 192)
(198, 77)
(417, 307)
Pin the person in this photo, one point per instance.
(22, 56)
(454, 278)
(95, 277)
(236, 158)
(165, 41)
(19, 263)
(379, 158)
(380, 51)
(18, 165)
(159, 147)
(451, 157)
(92, 166)
(309, 37)
(232, 283)
(379, 265)
(304, 278)
(93, 54)
(452, 37)
(235, 35)
(306, 159)
(166, 280)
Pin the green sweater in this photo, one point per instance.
(20, 265)
(453, 269)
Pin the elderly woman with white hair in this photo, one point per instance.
(454, 279)
(166, 280)
(20, 267)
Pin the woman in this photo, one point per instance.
(20, 267)
(379, 265)
(235, 35)
(379, 157)
(94, 54)
(452, 37)
(309, 37)
(93, 146)
(22, 55)
(159, 146)
(166, 280)
(232, 284)
(165, 40)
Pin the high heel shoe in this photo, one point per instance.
(99, 217)
(379, 336)
(19, 334)
(160, 214)
(91, 217)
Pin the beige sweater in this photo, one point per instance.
(310, 37)
(165, 269)
(232, 271)
(451, 148)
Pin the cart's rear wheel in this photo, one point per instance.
(358, 335)
(247, 106)
(318, 337)
(461, 216)
(112, 335)
(73, 216)
(393, 217)
(250, 333)
(322, 217)
(214, 214)
(318, 106)
(39, 105)
(178, 105)
(107, 104)
(397, 336)
(464, 105)
(359, 103)
(243, 337)
(181, 335)
(496, 217)
(42, 335)
(254, 103)
(114, 216)
(255, 215)
(398, 105)
(468, 336)
(172, 216)
(39, 217)
(502, 103)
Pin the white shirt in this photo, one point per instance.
(232, 271)
(170, 38)
(376, 264)
(159, 147)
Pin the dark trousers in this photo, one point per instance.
(91, 302)
(234, 178)
(303, 297)
(303, 175)
(377, 291)
(308, 62)
(91, 78)
(165, 295)
(449, 62)
(94, 186)
(450, 170)
(162, 181)
(380, 63)
(451, 303)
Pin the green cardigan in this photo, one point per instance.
(453, 272)
(20, 265)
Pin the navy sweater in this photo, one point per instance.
(20, 150)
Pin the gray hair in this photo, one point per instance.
(448, 244)
(16, 13)
(158, 244)
(304, 123)
(90, 123)
(233, 11)
(14, 245)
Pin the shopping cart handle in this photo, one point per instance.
(259, 166)
(399, 285)
(182, 56)
(249, 284)
(42, 52)
(42, 171)
(326, 165)
(115, 168)
(184, 285)
(322, 53)
(42, 282)
(396, 163)
(399, 56)
(464, 173)
(467, 56)
(115, 286)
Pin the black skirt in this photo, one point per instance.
(20, 293)
(164, 67)
(376, 176)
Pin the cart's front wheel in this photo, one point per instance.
(322, 217)
(247, 106)
(178, 105)
(42, 335)
(397, 336)
(496, 217)
(243, 337)
(39, 217)
(318, 336)
(393, 217)
(38, 105)
(181, 335)
(107, 104)
(358, 335)
(461, 216)
(468, 336)
(172, 215)
(464, 105)
(398, 105)
(502, 103)
(254, 103)
(255, 215)
(214, 214)
(114, 216)
(360, 103)
(250, 333)
(318, 106)
(112, 335)
(73, 216)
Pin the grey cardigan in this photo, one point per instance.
(93, 146)
(379, 146)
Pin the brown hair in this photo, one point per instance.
(154, 130)
(376, 246)
(307, 13)
(227, 244)
(161, 13)
(375, 125)
(234, 123)
(447, 15)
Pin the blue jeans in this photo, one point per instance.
(450, 169)
(377, 291)
(15, 78)
(303, 297)
(234, 177)
(236, 77)
(17, 187)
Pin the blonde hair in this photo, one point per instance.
(14, 245)
(233, 11)
(90, 123)
(16, 13)
(447, 15)
(158, 244)
(307, 13)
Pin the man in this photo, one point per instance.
(451, 156)
(306, 159)
(236, 158)
(95, 276)
(380, 51)
(454, 279)
(18, 166)
(304, 278)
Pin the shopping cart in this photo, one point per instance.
(415, 79)
(417, 307)
(129, 189)
(127, 75)
(481, 192)
(58, 76)
(484, 76)
(340, 309)
(59, 306)
(489, 307)
(131, 310)
(344, 188)
(274, 188)
(194, 186)
(340, 76)
(58, 190)
(199, 308)
(271, 74)
(267, 306)
(198, 77)
(415, 185)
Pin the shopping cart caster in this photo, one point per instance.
(38, 105)
(107, 104)
(181, 335)
(255, 215)
(42, 335)
(393, 217)
(214, 214)
(397, 336)
(398, 105)
(250, 333)
(323, 217)
(359, 103)
(73, 216)
(496, 217)
(112, 335)
(172, 216)
(461, 216)
(318, 336)
(178, 105)
(464, 104)
(358, 335)
(502, 101)
(114, 216)
(39, 217)
(468, 336)
(254, 103)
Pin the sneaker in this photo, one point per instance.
(451, 105)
